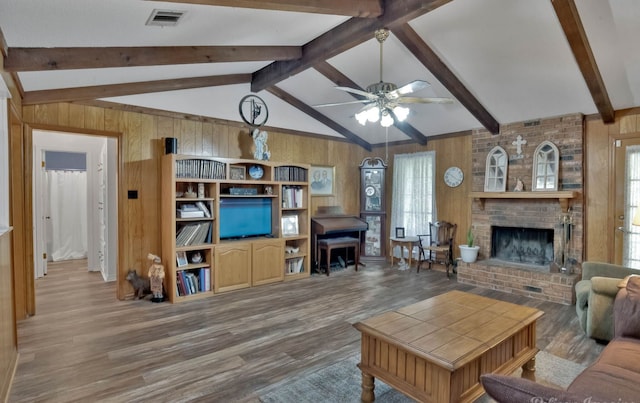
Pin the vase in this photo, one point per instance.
(469, 254)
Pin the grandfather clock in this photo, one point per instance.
(373, 208)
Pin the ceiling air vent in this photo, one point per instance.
(165, 18)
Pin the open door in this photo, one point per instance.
(627, 200)
(42, 217)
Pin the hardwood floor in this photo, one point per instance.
(84, 345)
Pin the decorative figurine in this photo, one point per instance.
(156, 276)
(519, 186)
(260, 141)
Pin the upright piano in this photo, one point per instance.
(331, 222)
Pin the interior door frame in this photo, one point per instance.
(617, 196)
(28, 210)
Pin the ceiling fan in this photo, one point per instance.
(383, 101)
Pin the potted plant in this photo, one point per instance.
(469, 252)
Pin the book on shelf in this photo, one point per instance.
(194, 234)
(292, 197)
(294, 265)
(203, 207)
(200, 169)
(189, 211)
(291, 174)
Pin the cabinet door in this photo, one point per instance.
(232, 266)
(374, 243)
(268, 260)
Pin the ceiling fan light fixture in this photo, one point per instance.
(401, 113)
(362, 117)
(386, 120)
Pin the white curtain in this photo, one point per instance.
(631, 243)
(413, 199)
(68, 211)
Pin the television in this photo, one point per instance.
(244, 217)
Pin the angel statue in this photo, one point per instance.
(260, 141)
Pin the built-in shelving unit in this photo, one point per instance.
(203, 257)
(564, 197)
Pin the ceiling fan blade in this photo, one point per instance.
(417, 100)
(413, 86)
(358, 101)
(356, 91)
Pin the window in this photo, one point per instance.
(495, 179)
(631, 252)
(545, 167)
(413, 199)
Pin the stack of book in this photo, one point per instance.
(194, 234)
(189, 211)
(190, 282)
(294, 265)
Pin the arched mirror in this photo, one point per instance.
(495, 176)
(545, 167)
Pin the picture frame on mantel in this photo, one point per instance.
(322, 180)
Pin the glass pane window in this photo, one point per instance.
(545, 164)
(496, 170)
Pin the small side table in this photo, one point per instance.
(409, 242)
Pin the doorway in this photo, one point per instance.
(627, 201)
(101, 198)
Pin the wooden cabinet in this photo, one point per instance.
(229, 224)
(266, 261)
(233, 266)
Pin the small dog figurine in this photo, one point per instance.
(141, 286)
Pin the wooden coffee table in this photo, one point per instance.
(436, 350)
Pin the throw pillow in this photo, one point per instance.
(626, 310)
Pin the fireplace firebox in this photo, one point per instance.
(531, 246)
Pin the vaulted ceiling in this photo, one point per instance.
(502, 61)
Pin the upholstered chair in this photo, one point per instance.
(595, 295)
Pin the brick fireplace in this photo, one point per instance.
(546, 263)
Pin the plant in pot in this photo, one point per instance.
(469, 252)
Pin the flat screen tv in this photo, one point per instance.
(244, 217)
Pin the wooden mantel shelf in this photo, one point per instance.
(563, 197)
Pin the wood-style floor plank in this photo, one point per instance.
(84, 345)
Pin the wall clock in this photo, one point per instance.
(453, 176)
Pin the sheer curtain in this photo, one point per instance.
(68, 211)
(413, 198)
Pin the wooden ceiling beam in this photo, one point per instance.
(412, 41)
(342, 80)
(40, 59)
(116, 90)
(295, 102)
(569, 18)
(342, 38)
(353, 8)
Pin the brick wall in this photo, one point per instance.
(566, 132)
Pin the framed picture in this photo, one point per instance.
(322, 180)
(237, 172)
(289, 225)
(181, 258)
(399, 232)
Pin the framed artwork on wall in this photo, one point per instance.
(322, 180)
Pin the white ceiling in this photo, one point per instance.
(512, 55)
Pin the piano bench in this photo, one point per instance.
(330, 244)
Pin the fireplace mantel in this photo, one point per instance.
(563, 197)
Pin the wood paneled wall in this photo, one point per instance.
(8, 336)
(141, 146)
(599, 176)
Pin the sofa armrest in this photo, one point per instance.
(510, 389)
(605, 286)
